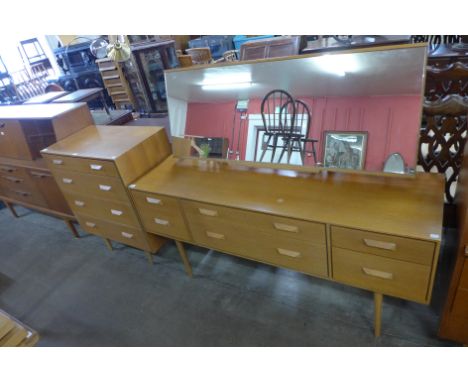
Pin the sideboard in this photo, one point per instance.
(24, 177)
(381, 233)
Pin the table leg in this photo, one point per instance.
(378, 297)
(11, 208)
(149, 256)
(103, 100)
(183, 255)
(72, 228)
(108, 244)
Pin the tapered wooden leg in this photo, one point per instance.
(183, 256)
(378, 297)
(108, 244)
(72, 228)
(149, 256)
(12, 209)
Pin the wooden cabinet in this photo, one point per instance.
(93, 169)
(24, 177)
(26, 129)
(314, 223)
(454, 322)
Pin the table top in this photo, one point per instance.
(404, 206)
(79, 95)
(37, 111)
(106, 142)
(46, 97)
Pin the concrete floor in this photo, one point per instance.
(75, 292)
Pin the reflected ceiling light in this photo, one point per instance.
(223, 81)
(237, 85)
(338, 64)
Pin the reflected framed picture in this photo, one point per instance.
(344, 149)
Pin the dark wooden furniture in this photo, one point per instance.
(454, 322)
(145, 74)
(327, 43)
(270, 47)
(443, 137)
(45, 98)
(84, 95)
(24, 176)
(115, 83)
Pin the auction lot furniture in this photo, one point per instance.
(15, 333)
(376, 232)
(93, 169)
(24, 176)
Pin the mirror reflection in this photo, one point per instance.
(349, 109)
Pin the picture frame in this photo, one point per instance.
(344, 149)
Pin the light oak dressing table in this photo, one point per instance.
(378, 232)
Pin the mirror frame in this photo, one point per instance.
(294, 167)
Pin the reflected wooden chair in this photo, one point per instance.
(200, 56)
(296, 141)
(276, 128)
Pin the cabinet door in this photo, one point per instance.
(12, 141)
(52, 195)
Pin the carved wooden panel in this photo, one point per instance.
(443, 137)
(442, 81)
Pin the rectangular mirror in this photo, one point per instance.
(352, 109)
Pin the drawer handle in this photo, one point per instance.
(287, 252)
(286, 227)
(39, 174)
(7, 169)
(79, 203)
(153, 200)
(67, 180)
(380, 244)
(89, 224)
(127, 235)
(207, 212)
(95, 167)
(104, 187)
(116, 212)
(161, 221)
(57, 161)
(215, 235)
(376, 273)
(12, 179)
(22, 193)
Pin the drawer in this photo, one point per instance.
(112, 82)
(388, 276)
(100, 186)
(116, 89)
(123, 234)
(416, 251)
(270, 224)
(107, 210)
(88, 166)
(6, 169)
(170, 224)
(24, 194)
(246, 241)
(155, 203)
(109, 74)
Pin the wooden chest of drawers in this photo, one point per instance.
(93, 169)
(24, 176)
(292, 222)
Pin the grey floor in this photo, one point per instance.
(75, 292)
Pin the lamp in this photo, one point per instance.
(118, 51)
